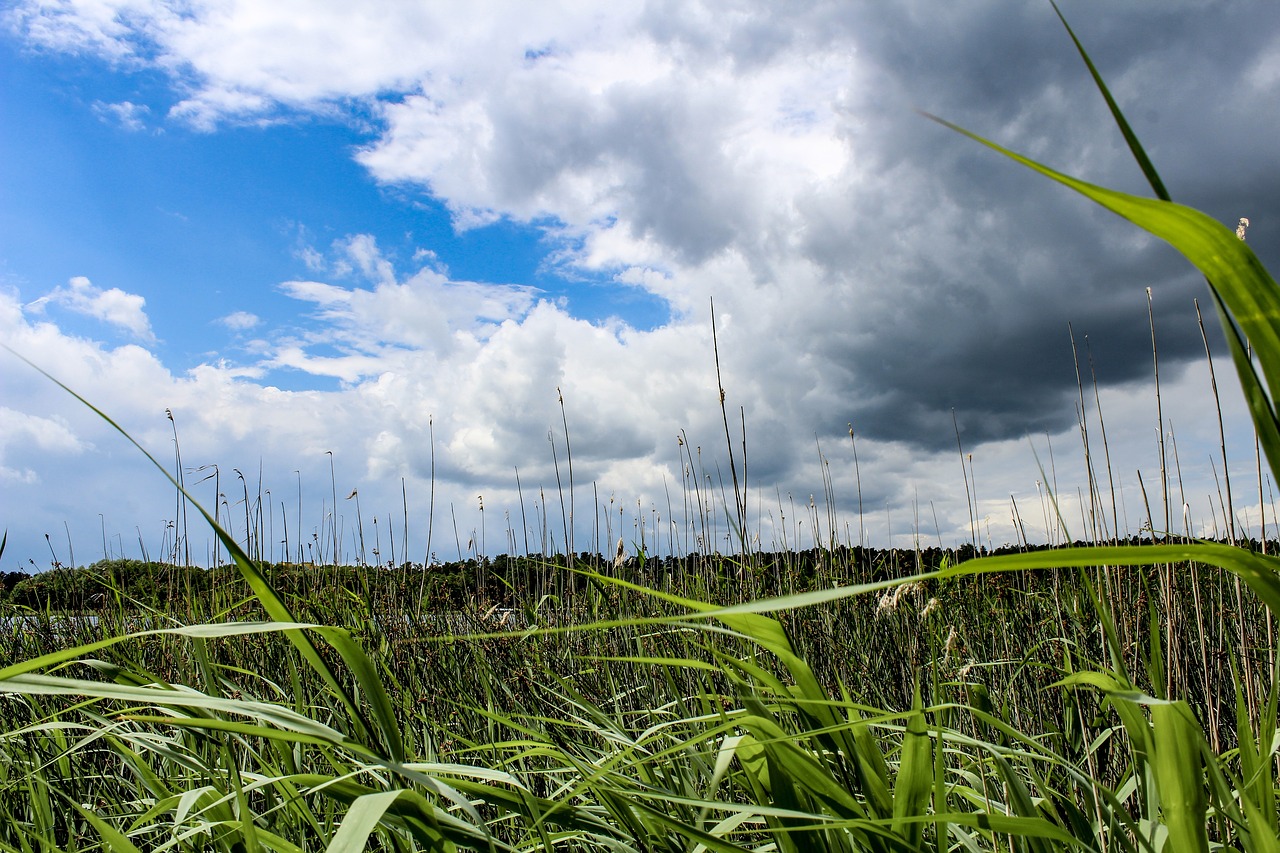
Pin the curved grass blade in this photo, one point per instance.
(1131, 138)
(915, 774)
(1235, 275)
(1260, 571)
(1262, 411)
(1175, 736)
(383, 733)
(365, 816)
(1265, 418)
(226, 629)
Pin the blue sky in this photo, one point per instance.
(204, 224)
(404, 231)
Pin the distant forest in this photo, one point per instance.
(502, 581)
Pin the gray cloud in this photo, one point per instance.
(868, 266)
(927, 275)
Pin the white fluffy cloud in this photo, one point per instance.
(112, 306)
(485, 409)
(24, 435)
(126, 114)
(240, 321)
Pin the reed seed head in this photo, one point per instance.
(892, 598)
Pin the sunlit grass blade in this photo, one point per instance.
(914, 781)
(384, 734)
(365, 816)
(1234, 273)
(1130, 138)
(411, 811)
(1176, 737)
(1261, 408)
(1260, 571)
(274, 715)
(75, 653)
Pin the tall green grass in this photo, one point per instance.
(1031, 702)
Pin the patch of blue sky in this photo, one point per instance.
(99, 182)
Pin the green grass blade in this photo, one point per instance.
(274, 715)
(914, 781)
(362, 820)
(1265, 417)
(1176, 740)
(248, 830)
(799, 767)
(384, 732)
(1257, 788)
(218, 724)
(1262, 410)
(1261, 834)
(1259, 571)
(226, 629)
(114, 838)
(1131, 138)
(1234, 273)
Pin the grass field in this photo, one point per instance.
(648, 730)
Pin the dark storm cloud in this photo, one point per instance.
(957, 271)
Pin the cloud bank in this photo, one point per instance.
(867, 267)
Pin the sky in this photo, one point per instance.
(452, 269)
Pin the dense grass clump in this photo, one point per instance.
(646, 728)
(1113, 697)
